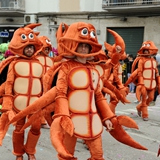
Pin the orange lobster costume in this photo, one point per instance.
(114, 71)
(80, 107)
(46, 61)
(145, 76)
(22, 87)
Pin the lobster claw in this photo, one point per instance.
(59, 127)
(121, 135)
(4, 119)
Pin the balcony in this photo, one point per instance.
(132, 7)
(12, 7)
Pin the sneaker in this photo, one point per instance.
(152, 103)
(145, 119)
(136, 101)
(45, 126)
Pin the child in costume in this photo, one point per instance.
(80, 107)
(22, 87)
(145, 76)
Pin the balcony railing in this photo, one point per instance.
(12, 5)
(119, 3)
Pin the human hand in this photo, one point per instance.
(118, 49)
(108, 125)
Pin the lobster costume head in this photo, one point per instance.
(23, 37)
(150, 46)
(118, 42)
(76, 33)
(46, 44)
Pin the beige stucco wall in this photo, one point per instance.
(60, 6)
(69, 5)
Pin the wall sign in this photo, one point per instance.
(4, 34)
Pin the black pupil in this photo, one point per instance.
(84, 31)
(23, 36)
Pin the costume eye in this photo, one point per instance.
(148, 45)
(84, 32)
(48, 41)
(31, 36)
(92, 34)
(23, 36)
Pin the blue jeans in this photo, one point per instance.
(131, 85)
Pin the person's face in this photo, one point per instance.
(29, 50)
(146, 51)
(83, 48)
(47, 50)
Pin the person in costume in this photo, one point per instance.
(23, 86)
(47, 62)
(146, 77)
(80, 109)
(113, 73)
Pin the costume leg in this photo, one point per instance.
(112, 105)
(18, 139)
(31, 143)
(43, 121)
(69, 143)
(144, 111)
(33, 136)
(95, 148)
(150, 96)
(139, 107)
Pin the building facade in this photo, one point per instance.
(135, 20)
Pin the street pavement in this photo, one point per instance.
(148, 135)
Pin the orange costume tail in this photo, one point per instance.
(121, 135)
